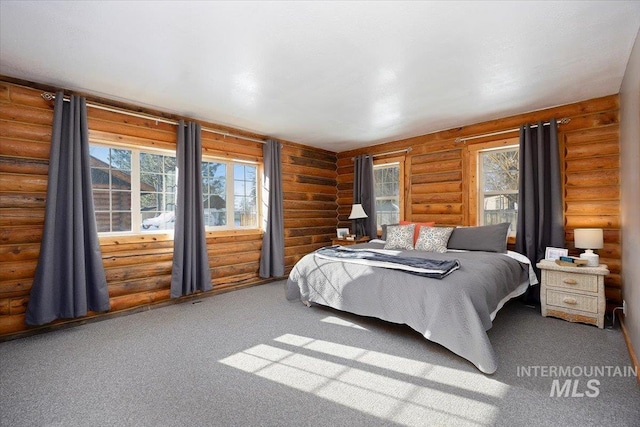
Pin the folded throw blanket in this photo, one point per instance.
(433, 268)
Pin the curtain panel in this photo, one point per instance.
(540, 220)
(363, 192)
(272, 253)
(190, 271)
(69, 278)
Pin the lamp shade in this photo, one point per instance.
(588, 238)
(357, 212)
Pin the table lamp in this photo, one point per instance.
(358, 213)
(589, 239)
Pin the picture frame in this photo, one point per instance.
(553, 254)
(342, 232)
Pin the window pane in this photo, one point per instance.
(169, 163)
(101, 199)
(111, 184)
(501, 208)
(157, 191)
(100, 155)
(100, 178)
(500, 170)
(150, 201)
(121, 201)
(151, 181)
(161, 221)
(390, 189)
(239, 187)
(150, 162)
(245, 196)
(120, 159)
(121, 221)
(103, 221)
(214, 193)
(387, 212)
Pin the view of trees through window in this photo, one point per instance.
(387, 193)
(499, 186)
(214, 193)
(245, 195)
(158, 187)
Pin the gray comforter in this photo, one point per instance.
(454, 312)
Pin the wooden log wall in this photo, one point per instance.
(138, 267)
(437, 175)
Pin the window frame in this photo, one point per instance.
(400, 161)
(476, 210)
(136, 215)
(110, 189)
(230, 191)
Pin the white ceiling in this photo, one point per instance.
(335, 75)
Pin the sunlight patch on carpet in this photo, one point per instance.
(341, 322)
(393, 388)
(471, 381)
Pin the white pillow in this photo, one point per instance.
(433, 239)
(400, 237)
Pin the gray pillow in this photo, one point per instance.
(384, 230)
(489, 238)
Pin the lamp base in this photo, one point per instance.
(593, 260)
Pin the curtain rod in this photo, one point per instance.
(405, 150)
(48, 96)
(562, 121)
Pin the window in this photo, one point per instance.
(387, 191)
(111, 183)
(214, 193)
(230, 192)
(135, 191)
(245, 212)
(158, 186)
(498, 171)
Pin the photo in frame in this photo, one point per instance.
(553, 254)
(342, 232)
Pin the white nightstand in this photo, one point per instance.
(575, 294)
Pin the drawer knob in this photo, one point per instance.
(571, 301)
(570, 281)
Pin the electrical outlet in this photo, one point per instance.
(624, 307)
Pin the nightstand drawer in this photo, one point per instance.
(580, 302)
(563, 279)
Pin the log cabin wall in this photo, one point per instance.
(138, 267)
(437, 175)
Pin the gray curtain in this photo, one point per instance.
(190, 271)
(69, 278)
(540, 221)
(363, 193)
(272, 255)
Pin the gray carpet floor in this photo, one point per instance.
(252, 358)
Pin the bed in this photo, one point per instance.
(454, 311)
